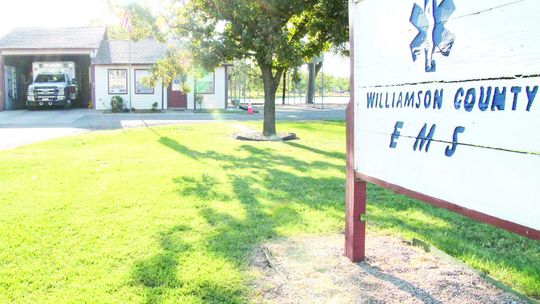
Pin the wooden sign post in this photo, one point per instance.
(355, 196)
(445, 108)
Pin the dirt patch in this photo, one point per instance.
(314, 270)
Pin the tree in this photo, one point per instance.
(329, 17)
(144, 22)
(276, 34)
(166, 69)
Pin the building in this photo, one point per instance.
(103, 67)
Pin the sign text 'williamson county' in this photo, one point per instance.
(481, 98)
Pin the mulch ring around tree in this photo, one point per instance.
(313, 270)
(256, 136)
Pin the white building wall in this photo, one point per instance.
(138, 101)
(145, 101)
(210, 101)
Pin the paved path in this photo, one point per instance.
(23, 127)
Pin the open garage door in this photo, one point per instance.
(18, 75)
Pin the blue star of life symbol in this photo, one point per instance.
(433, 37)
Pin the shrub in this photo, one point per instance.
(154, 106)
(117, 103)
(199, 101)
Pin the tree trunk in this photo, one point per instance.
(313, 70)
(270, 83)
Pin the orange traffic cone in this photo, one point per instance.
(250, 108)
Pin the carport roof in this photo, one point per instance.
(53, 38)
(146, 51)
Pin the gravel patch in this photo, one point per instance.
(314, 270)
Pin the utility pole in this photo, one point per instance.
(128, 27)
(322, 87)
(129, 71)
(162, 97)
(284, 87)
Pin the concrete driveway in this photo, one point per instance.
(24, 118)
(23, 127)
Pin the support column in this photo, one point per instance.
(2, 84)
(93, 85)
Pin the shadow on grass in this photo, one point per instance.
(282, 179)
(480, 245)
(158, 273)
(285, 181)
(258, 158)
(337, 155)
(200, 187)
(233, 238)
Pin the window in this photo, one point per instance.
(140, 87)
(50, 78)
(117, 81)
(206, 84)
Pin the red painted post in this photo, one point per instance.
(355, 190)
(355, 200)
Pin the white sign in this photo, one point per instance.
(447, 101)
(176, 84)
(118, 81)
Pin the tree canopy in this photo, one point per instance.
(275, 34)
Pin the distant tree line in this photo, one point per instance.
(245, 82)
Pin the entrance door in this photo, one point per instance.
(176, 99)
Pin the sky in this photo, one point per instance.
(336, 65)
(59, 13)
(50, 13)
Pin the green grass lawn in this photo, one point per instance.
(171, 214)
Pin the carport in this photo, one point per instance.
(23, 46)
